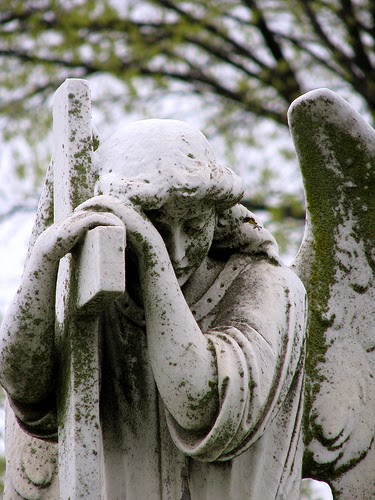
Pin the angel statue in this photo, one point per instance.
(185, 380)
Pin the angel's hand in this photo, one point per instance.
(141, 233)
(60, 238)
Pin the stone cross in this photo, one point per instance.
(88, 278)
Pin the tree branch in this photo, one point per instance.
(285, 211)
(214, 30)
(336, 52)
(303, 47)
(347, 15)
(290, 87)
(41, 60)
(194, 75)
(17, 209)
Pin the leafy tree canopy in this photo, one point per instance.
(242, 60)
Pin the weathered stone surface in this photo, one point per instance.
(336, 150)
(188, 382)
(101, 269)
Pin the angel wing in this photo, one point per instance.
(336, 152)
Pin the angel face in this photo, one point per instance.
(187, 228)
(168, 169)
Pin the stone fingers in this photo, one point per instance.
(61, 237)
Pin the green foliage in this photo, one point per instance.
(244, 53)
(241, 61)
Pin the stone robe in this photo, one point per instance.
(253, 313)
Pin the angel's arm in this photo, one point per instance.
(27, 357)
(182, 362)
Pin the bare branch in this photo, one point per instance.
(35, 59)
(289, 87)
(285, 210)
(337, 52)
(18, 209)
(323, 62)
(214, 30)
(347, 14)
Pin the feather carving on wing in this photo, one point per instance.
(336, 152)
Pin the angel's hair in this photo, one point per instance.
(151, 161)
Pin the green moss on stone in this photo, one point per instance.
(332, 161)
